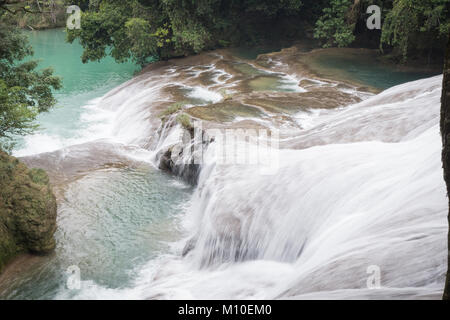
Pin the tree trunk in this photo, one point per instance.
(353, 13)
(52, 11)
(445, 131)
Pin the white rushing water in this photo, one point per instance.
(358, 189)
(361, 188)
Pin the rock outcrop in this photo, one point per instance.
(180, 159)
(445, 130)
(27, 210)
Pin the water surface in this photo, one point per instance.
(67, 121)
(364, 67)
(114, 222)
(110, 223)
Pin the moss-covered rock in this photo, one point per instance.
(27, 210)
(172, 109)
(185, 121)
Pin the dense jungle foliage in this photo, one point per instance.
(139, 29)
(143, 30)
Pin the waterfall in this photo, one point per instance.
(368, 192)
(358, 188)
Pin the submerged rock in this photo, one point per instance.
(27, 210)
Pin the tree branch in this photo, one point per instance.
(5, 3)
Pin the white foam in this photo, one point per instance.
(330, 212)
(205, 94)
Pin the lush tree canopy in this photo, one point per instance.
(409, 26)
(24, 92)
(333, 26)
(417, 25)
(144, 29)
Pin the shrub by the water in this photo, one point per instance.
(27, 210)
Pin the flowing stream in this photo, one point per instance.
(358, 185)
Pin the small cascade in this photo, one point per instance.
(358, 184)
(329, 214)
(357, 188)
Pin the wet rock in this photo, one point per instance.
(189, 246)
(293, 102)
(71, 163)
(182, 158)
(225, 111)
(306, 83)
(172, 162)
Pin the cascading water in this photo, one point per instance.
(357, 187)
(329, 214)
(314, 228)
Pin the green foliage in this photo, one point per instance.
(185, 121)
(24, 92)
(39, 176)
(123, 29)
(15, 117)
(173, 108)
(143, 43)
(416, 24)
(84, 4)
(139, 29)
(409, 26)
(187, 22)
(332, 27)
(27, 210)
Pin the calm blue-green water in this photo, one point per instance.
(365, 69)
(81, 84)
(111, 221)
